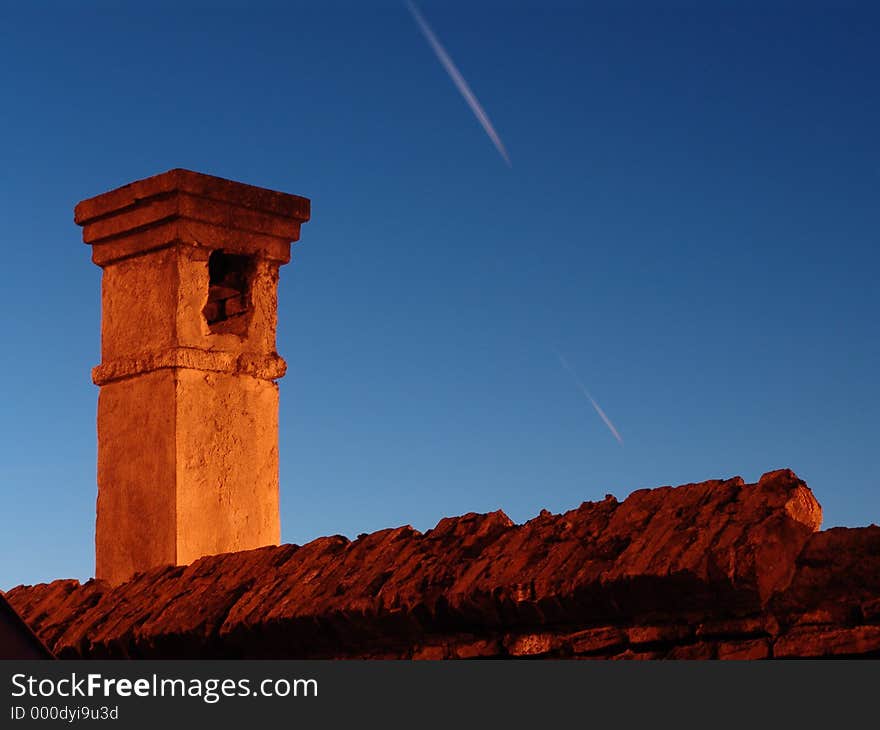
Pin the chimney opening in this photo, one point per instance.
(227, 304)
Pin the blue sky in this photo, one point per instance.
(690, 219)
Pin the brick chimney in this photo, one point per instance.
(188, 403)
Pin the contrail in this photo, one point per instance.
(459, 81)
(589, 397)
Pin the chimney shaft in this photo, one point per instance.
(188, 403)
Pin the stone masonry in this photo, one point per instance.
(188, 405)
(716, 570)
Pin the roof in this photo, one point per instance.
(17, 641)
(716, 569)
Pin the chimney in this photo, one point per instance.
(188, 403)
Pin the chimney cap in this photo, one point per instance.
(182, 206)
(195, 183)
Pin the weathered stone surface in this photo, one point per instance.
(475, 649)
(816, 642)
(596, 640)
(837, 571)
(744, 650)
(671, 634)
(56, 608)
(17, 640)
(752, 626)
(198, 209)
(606, 578)
(531, 644)
(189, 307)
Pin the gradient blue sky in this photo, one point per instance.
(691, 219)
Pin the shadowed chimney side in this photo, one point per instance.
(188, 403)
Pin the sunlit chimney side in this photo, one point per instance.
(188, 400)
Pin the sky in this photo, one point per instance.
(686, 233)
